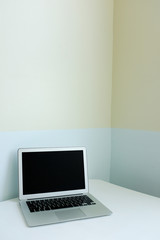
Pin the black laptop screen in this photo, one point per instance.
(52, 171)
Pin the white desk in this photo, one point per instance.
(135, 216)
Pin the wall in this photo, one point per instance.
(135, 112)
(55, 80)
(55, 64)
(97, 142)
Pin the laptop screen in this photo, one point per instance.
(52, 171)
(46, 171)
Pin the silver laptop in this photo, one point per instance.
(53, 186)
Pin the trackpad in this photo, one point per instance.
(70, 214)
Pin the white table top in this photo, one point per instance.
(135, 216)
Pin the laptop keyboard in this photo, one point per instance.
(57, 203)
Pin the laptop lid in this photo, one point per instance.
(48, 172)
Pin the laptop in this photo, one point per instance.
(53, 186)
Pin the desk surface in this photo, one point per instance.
(136, 216)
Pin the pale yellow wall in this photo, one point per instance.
(136, 65)
(55, 64)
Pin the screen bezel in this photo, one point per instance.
(50, 194)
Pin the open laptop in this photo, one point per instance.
(53, 186)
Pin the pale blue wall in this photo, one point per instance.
(135, 160)
(97, 142)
